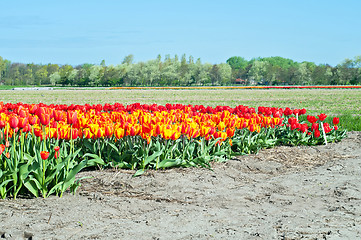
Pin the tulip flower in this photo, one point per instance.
(119, 133)
(44, 119)
(14, 121)
(302, 111)
(317, 133)
(44, 155)
(322, 117)
(72, 117)
(2, 148)
(335, 120)
(311, 119)
(33, 119)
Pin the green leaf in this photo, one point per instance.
(88, 145)
(167, 163)
(54, 188)
(4, 183)
(70, 178)
(95, 160)
(24, 171)
(33, 186)
(113, 146)
(152, 157)
(138, 173)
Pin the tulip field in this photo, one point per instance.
(43, 146)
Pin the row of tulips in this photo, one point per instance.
(43, 147)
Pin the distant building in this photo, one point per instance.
(240, 81)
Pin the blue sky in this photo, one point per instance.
(77, 32)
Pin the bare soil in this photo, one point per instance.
(280, 193)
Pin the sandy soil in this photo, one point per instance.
(281, 193)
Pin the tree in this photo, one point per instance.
(134, 75)
(302, 75)
(41, 75)
(2, 69)
(64, 72)
(225, 73)
(151, 72)
(52, 68)
(237, 63)
(128, 59)
(183, 71)
(169, 74)
(28, 77)
(257, 72)
(55, 78)
(95, 75)
(102, 63)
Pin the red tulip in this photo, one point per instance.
(314, 126)
(292, 120)
(33, 108)
(33, 119)
(322, 117)
(2, 124)
(287, 112)
(311, 119)
(72, 117)
(302, 111)
(74, 133)
(304, 127)
(44, 155)
(230, 132)
(58, 115)
(335, 120)
(326, 127)
(44, 119)
(296, 111)
(2, 148)
(317, 133)
(108, 131)
(14, 121)
(23, 122)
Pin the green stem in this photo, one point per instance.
(15, 164)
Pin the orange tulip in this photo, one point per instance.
(87, 133)
(119, 133)
(221, 126)
(230, 132)
(108, 130)
(99, 133)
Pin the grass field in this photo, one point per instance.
(344, 103)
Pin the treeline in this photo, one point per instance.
(172, 71)
(283, 71)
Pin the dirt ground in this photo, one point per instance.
(281, 193)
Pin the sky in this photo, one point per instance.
(76, 32)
